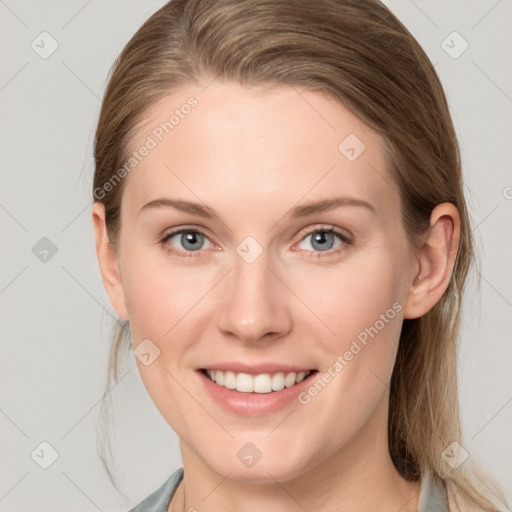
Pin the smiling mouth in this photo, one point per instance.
(261, 383)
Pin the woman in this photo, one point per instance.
(280, 223)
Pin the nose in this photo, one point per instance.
(253, 306)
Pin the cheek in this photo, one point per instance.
(359, 310)
(160, 293)
(351, 297)
(364, 312)
(163, 307)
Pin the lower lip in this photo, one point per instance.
(254, 404)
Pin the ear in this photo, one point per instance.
(108, 261)
(436, 256)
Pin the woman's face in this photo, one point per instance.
(264, 287)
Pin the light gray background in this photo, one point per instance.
(56, 316)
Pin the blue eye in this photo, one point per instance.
(193, 241)
(323, 240)
(190, 239)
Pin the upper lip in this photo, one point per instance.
(255, 369)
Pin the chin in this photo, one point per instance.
(245, 466)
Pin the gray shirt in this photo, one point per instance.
(432, 497)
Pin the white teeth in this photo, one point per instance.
(229, 380)
(301, 376)
(289, 380)
(278, 381)
(262, 383)
(244, 382)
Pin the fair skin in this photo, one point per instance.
(251, 155)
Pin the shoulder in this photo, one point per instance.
(444, 496)
(158, 500)
(433, 496)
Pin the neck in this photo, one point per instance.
(360, 476)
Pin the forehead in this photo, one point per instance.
(231, 145)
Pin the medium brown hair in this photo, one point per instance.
(359, 53)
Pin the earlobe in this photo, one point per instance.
(436, 257)
(108, 261)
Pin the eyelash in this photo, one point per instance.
(315, 254)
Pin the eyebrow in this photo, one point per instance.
(303, 210)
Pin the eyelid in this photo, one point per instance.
(344, 233)
(304, 232)
(163, 239)
(187, 228)
(345, 236)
